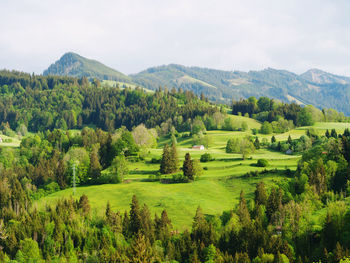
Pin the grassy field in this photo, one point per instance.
(217, 190)
(180, 200)
(15, 141)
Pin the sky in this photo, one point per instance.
(132, 35)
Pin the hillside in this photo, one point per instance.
(71, 64)
(319, 88)
(316, 87)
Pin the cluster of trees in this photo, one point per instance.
(284, 116)
(46, 160)
(169, 164)
(244, 146)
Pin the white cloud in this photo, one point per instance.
(133, 35)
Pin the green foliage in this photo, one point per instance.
(305, 118)
(262, 163)
(266, 128)
(118, 169)
(187, 167)
(206, 157)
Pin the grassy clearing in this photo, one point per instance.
(16, 141)
(180, 200)
(217, 190)
(323, 126)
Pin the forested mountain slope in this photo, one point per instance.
(316, 87)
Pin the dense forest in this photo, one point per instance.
(275, 225)
(42, 103)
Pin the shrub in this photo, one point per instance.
(155, 160)
(262, 163)
(206, 158)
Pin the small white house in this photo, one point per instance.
(289, 151)
(198, 147)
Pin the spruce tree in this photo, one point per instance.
(327, 134)
(135, 216)
(147, 225)
(165, 164)
(260, 194)
(290, 139)
(174, 159)
(95, 166)
(273, 139)
(84, 204)
(334, 133)
(257, 143)
(243, 211)
(187, 167)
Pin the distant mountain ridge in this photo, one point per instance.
(316, 87)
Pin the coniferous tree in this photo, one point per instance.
(135, 216)
(84, 204)
(187, 167)
(108, 212)
(126, 224)
(260, 194)
(289, 139)
(273, 139)
(346, 132)
(147, 225)
(327, 134)
(60, 174)
(242, 210)
(165, 163)
(95, 166)
(334, 133)
(257, 143)
(141, 250)
(174, 159)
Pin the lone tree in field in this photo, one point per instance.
(165, 162)
(273, 139)
(170, 160)
(257, 143)
(187, 167)
(174, 159)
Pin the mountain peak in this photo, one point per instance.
(72, 64)
(322, 77)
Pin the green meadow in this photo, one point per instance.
(217, 190)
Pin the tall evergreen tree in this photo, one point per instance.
(95, 166)
(257, 143)
(187, 167)
(135, 216)
(174, 159)
(242, 210)
(334, 133)
(327, 134)
(165, 163)
(273, 139)
(260, 194)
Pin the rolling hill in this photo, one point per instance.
(316, 87)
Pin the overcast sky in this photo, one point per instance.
(133, 35)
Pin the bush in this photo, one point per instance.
(206, 158)
(262, 163)
(155, 160)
